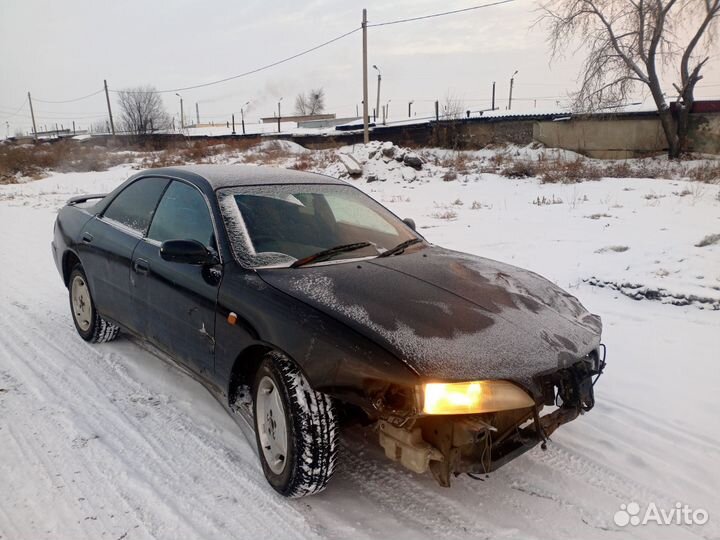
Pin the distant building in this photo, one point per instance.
(298, 118)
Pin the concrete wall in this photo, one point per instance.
(619, 137)
(474, 134)
(605, 137)
(705, 133)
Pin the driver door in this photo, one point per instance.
(177, 301)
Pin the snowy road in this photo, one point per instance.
(108, 441)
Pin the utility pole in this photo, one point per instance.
(512, 81)
(493, 97)
(242, 115)
(377, 106)
(32, 114)
(182, 112)
(197, 114)
(366, 133)
(107, 98)
(437, 111)
(279, 114)
(73, 127)
(233, 122)
(410, 103)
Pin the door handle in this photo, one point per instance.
(87, 238)
(141, 266)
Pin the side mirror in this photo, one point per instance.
(187, 251)
(410, 222)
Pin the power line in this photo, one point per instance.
(70, 100)
(411, 19)
(252, 71)
(284, 60)
(15, 113)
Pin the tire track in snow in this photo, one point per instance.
(125, 422)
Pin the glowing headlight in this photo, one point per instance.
(474, 397)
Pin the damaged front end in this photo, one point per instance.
(452, 444)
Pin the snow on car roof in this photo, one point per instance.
(221, 176)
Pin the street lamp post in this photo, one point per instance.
(377, 106)
(279, 100)
(182, 113)
(410, 104)
(512, 82)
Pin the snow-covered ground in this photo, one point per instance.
(109, 441)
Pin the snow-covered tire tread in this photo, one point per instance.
(101, 330)
(315, 425)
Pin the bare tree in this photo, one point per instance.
(629, 42)
(100, 126)
(311, 103)
(142, 111)
(453, 107)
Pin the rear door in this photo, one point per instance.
(177, 301)
(107, 243)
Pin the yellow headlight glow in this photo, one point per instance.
(474, 397)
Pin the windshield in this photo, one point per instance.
(279, 224)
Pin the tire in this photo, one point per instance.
(88, 322)
(284, 405)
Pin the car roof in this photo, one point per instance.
(222, 176)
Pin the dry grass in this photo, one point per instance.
(62, 156)
(310, 162)
(197, 151)
(544, 201)
(520, 168)
(447, 214)
(708, 173)
(456, 163)
(568, 172)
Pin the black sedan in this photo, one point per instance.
(305, 306)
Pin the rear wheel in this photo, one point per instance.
(88, 323)
(296, 428)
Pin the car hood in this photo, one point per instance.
(451, 316)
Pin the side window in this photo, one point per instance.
(182, 215)
(134, 206)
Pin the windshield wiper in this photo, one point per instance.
(326, 254)
(400, 247)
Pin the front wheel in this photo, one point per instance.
(296, 429)
(88, 322)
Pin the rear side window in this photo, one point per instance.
(135, 204)
(183, 215)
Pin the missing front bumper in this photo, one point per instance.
(482, 443)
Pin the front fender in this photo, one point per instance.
(334, 358)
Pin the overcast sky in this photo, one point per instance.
(63, 49)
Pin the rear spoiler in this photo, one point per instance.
(83, 198)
